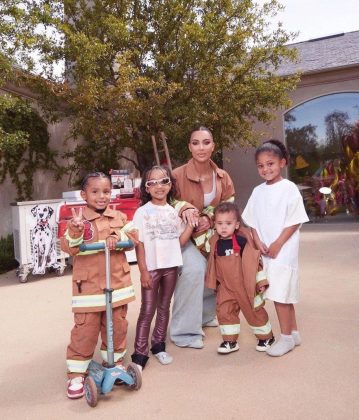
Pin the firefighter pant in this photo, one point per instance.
(229, 304)
(84, 337)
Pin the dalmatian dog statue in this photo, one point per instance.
(43, 240)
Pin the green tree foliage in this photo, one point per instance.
(23, 144)
(137, 68)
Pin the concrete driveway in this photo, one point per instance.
(318, 380)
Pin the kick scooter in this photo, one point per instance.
(100, 378)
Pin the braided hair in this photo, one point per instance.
(90, 175)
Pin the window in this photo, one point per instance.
(322, 136)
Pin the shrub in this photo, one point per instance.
(7, 258)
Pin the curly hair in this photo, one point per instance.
(146, 196)
(227, 207)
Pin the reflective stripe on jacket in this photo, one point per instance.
(89, 271)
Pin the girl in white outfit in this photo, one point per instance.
(275, 212)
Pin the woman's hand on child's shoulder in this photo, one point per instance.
(146, 281)
(190, 216)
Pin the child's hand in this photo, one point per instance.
(76, 223)
(262, 248)
(261, 289)
(146, 281)
(111, 242)
(133, 236)
(203, 224)
(274, 249)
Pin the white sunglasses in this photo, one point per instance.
(161, 181)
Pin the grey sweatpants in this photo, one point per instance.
(193, 304)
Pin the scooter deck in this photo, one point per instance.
(105, 377)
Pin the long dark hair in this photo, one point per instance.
(274, 146)
(200, 128)
(145, 196)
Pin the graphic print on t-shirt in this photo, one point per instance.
(225, 246)
(162, 226)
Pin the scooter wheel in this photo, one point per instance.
(134, 371)
(90, 392)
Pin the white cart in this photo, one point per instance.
(36, 245)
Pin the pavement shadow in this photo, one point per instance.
(331, 227)
(10, 278)
(43, 379)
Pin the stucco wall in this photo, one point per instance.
(45, 185)
(239, 162)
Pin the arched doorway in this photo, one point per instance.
(322, 136)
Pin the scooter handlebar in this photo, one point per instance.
(96, 246)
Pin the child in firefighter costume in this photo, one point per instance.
(97, 222)
(235, 272)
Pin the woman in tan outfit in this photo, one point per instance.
(201, 186)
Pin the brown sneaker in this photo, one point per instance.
(75, 387)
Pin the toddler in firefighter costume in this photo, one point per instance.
(97, 222)
(235, 272)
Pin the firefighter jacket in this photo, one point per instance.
(89, 268)
(190, 194)
(236, 269)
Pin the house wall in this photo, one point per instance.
(44, 183)
(45, 186)
(239, 162)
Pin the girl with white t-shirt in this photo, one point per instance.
(275, 212)
(161, 235)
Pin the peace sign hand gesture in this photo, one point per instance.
(76, 223)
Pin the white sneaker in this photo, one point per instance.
(212, 323)
(263, 345)
(281, 347)
(228, 347)
(195, 344)
(297, 338)
(75, 387)
(164, 358)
